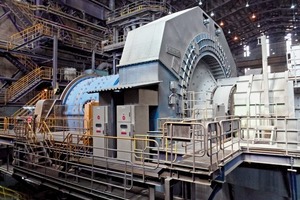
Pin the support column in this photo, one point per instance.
(114, 63)
(293, 183)
(112, 5)
(7, 161)
(38, 3)
(54, 68)
(193, 191)
(151, 193)
(168, 189)
(93, 60)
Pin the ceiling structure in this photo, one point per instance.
(79, 22)
(242, 20)
(245, 20)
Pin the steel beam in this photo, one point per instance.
(4, 15)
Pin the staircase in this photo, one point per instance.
(27, 62)
(38, 154)
(27, 83)
(21, 13)
(15, 61)
(42, 95)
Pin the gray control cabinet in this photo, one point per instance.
(100, 123)
(131, 120)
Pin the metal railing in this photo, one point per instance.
(194, 145)
(43, 73)
(27, 62)
(6, 125)
(280, 133)
(294, 74)
(138, 6)
(9, 194)
(110, 41)
(72, 154)
(193, 106)
(27, 35)
(44, 94)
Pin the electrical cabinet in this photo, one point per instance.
(100, 124)
(132, 121)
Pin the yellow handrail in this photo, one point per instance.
(26, 35)
(7, 193)
(23, 83)
(41, 95)
(27, 62)
(45, 130)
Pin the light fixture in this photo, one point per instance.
(200, 3)
(229, 31)
(247, 4)
(212, 14)
(221, 23)
(253, 16)
(258, 25)
(235, 38)
(293, 6)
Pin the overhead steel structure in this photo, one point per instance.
(174, 117)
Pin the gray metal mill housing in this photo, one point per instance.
(187, 47)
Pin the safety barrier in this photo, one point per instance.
(279, 132)
(72, 154)
(199, 144)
